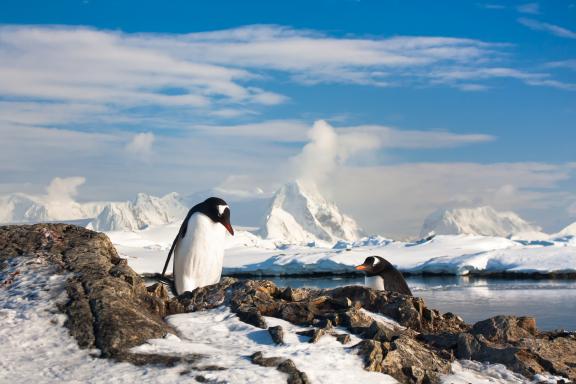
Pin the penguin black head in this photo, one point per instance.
(374, 265)
(218, 211)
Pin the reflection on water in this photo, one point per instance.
(552, 302)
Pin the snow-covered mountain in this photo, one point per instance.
(19, 207)
(142, 212)
(478, 221)
(298, 213)
(570, 230)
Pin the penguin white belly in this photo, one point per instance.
(198, 257)
(375, 282)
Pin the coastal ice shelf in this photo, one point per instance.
(249, 254)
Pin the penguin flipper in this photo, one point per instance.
(180, 235)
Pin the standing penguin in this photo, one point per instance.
(199, 246)
(382, 275)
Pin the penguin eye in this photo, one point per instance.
(221, 209)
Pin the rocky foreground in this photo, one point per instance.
(110, 308)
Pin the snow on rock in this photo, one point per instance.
(37, 348)
(227, 341)
(484, 221)
(300, 214)
(144, 211)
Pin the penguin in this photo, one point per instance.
(382, 275)
(199, 246)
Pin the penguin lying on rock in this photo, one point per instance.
(382, 275)
(199, 246)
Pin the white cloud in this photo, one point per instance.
(64, 189)
(492, 6)
(547, 27)
(455, 76)
(569, 64)
(141, 144)
(95, 71)
(531, 8)
(320, 156)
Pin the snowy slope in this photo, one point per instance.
(484, 221)
(300, 214)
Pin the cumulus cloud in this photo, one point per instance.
(141, 144)
(329, 147)
(320, 156)
(64, 189)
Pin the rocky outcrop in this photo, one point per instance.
(111, 309)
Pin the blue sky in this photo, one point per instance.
(140, 96)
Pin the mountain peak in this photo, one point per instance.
(483, 220)
(299, 213)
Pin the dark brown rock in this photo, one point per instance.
(283, 365)
(476, 347)
(557, 355)
(505, 328)
(294, 375)
(405, 359)
(277, 334)
(313, 334)
(343, 338)
(382, 332)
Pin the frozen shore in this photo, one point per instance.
(249, 255)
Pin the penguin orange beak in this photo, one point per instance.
(229, 228)
(361, 267)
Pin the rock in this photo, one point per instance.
(108, 304)
(294, 375)
(405, 359)
(343, 338)
(557, 355)
(251, 316)
(291, 294)
(277, 334)
(476, 347)
(283, 365)
(382, 332)
(259, 359)
(505, 328)
(313, 334)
